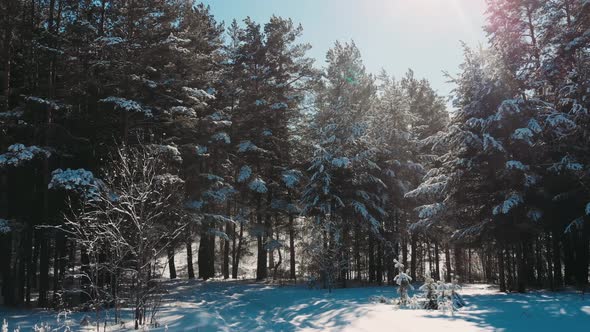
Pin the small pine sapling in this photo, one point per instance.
(430, 293)
(403, 280)
(448, 298)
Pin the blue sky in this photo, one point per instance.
(395, 35)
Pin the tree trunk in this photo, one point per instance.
(448, 263)
(413, 259)
(501, 275)
(379, 263)
(171, 263)
(6, 263)
(357, 251)
(206, 249)
(7, 54)
(372, 275)
(521, 268)
(549, 259)
(557, 275)
(261, 258)
(292, 272)
(30, 266)
(437, 261)
(226, 252)
(582, 258)
(237, 254)
(44, 272)
(189, 256)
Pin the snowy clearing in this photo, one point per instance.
(237, 306)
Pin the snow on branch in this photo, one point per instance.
(167, 180)
(183, 111)
(576, 223)
(490, 143)
(172, 39)
(478, 122)
(291, 177)
(516, 165)
(169, 151)
(341, 162)
(279, 106)
(420, 225)
(222, 136)
(109, 41)
(127, 105)
(4, 226)
(560, 120)
(18, 154)
(429, 189)
(531, 180)
(50, 104)
(431, 210)
(535, 214)
(258, 185)
(12, 115)
(566, 163)
(201, 150)
(361, 209)
(507, 108)
(197, 95)
(523, 134)
(467, 233)
(245, 173)
(248, 146)
(80, 181)
(512, 201)
(219, 195)
(534, 126)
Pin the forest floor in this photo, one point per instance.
(241, 306)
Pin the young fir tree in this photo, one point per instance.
(267, 68)
(344, 180)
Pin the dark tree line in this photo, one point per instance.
(512, 183)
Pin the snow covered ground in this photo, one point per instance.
(239, 306)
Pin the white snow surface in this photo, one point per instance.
(243, 306)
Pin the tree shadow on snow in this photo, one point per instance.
(535, 311)
(232, 306)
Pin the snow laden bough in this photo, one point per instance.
(79, 181)
(19, 154)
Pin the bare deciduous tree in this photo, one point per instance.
(126, 225)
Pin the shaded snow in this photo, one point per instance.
(237, 306)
